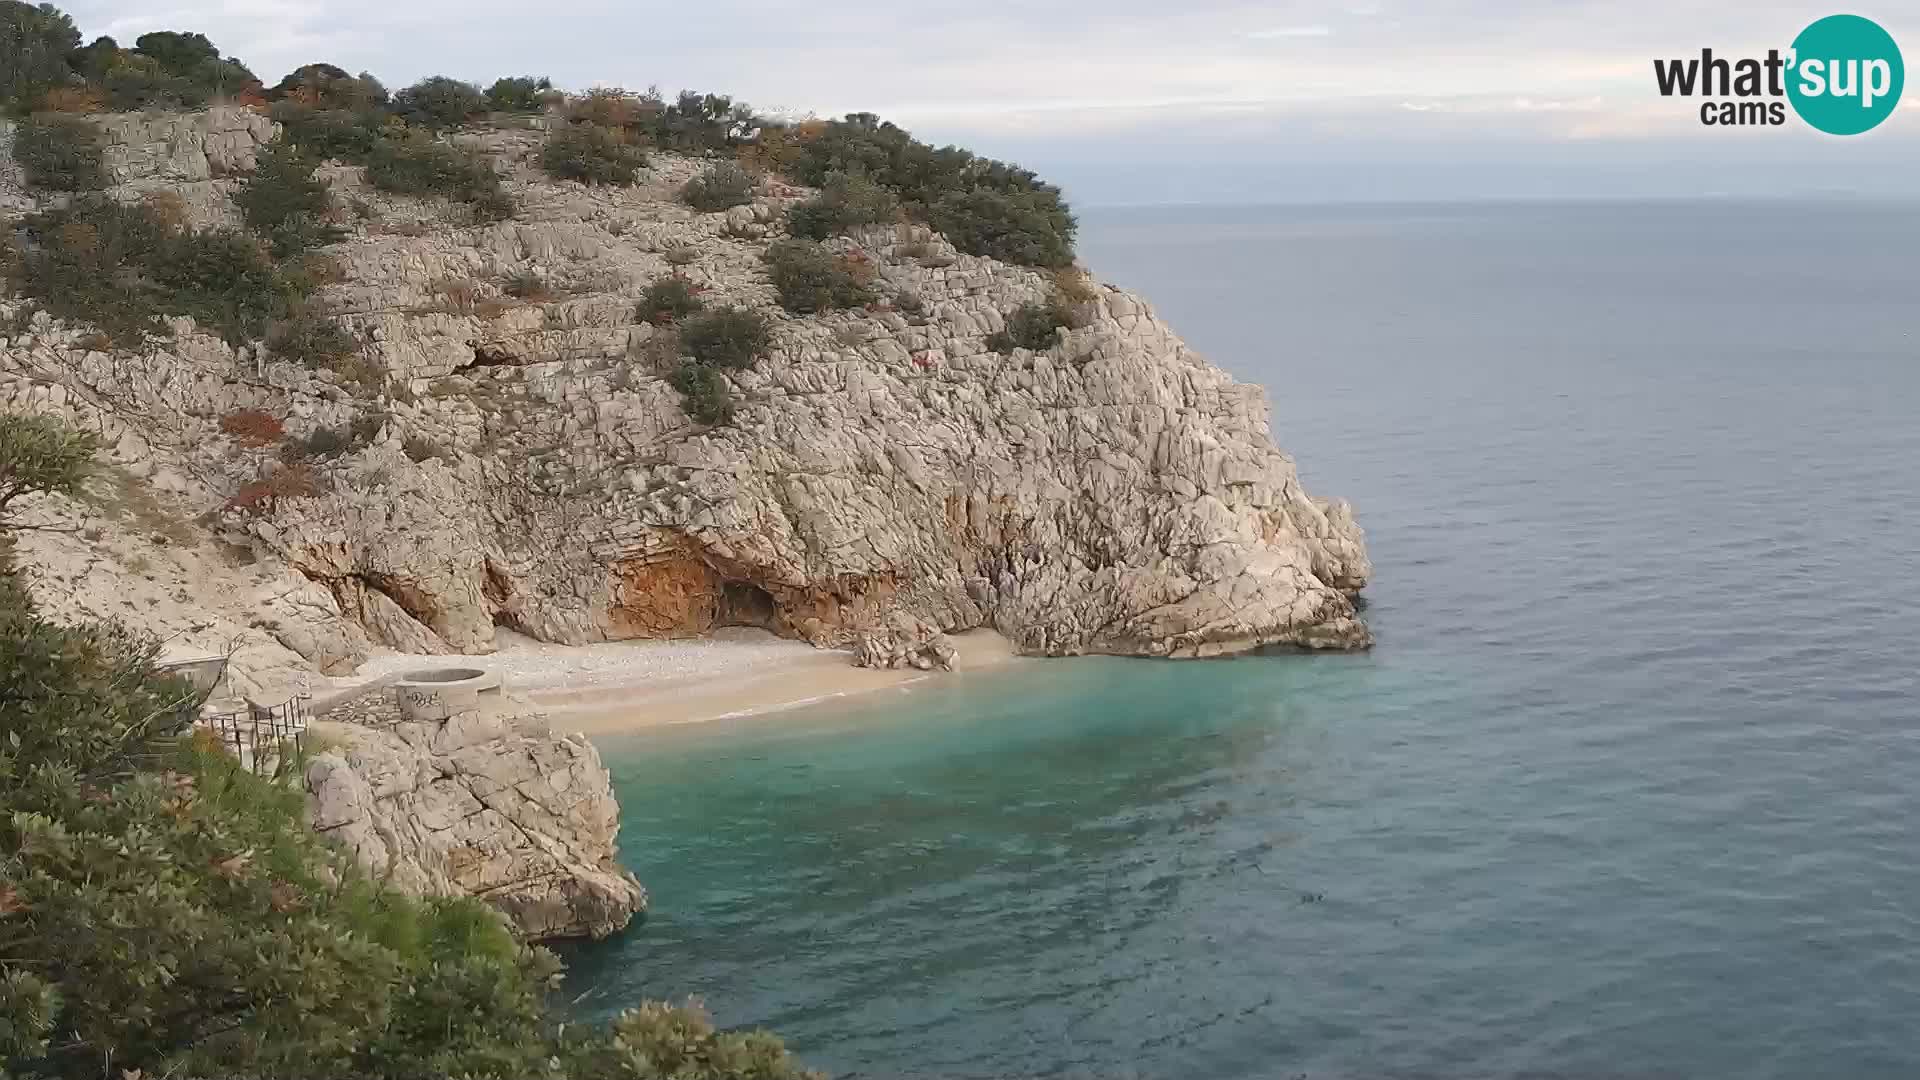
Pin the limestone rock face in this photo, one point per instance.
(887, 479)
(478, 803)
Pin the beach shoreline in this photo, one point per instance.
(628, 687)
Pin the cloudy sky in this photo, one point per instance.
(1131, 101)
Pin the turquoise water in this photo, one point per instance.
(1628, 789)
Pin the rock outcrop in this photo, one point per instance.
(887, 478)
(477, 800)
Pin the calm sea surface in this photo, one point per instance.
(1630, 787)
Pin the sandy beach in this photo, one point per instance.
(628, 686)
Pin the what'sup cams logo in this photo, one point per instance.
(1843, 75)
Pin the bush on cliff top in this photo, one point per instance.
(166, 912)
(985, 207)
(439, 102)
(525, 93)
(35, 42)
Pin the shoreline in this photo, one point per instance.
(628, 687)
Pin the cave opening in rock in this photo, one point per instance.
(743, 603)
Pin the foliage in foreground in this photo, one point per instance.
(165, 912)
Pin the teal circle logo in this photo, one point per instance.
(1846, 75)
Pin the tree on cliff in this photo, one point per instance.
(164, 911)
(34, 43)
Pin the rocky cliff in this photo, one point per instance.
(886, 477)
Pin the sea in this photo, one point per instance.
(1630, 786)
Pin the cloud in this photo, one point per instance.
(1377, 92)
(1317, 30)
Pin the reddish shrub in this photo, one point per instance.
(253, 427)
(294, 481)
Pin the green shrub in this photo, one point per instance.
(284, 202)
(986, 207)
(730, 337)
(325, 86)
(662, 1042)
(224, 280)
(845, 202)
(165, 69)
(810, 278)
(704, 393)
(413, 165)
(693, 121)
(526, 93)
(592, 154)
(1030, 326)
(323, 133)
(1031, 228)
(309, 336)
(123, 270)
(438, 103)
(60, 153)
(721, 187)
(34, 44)
(667, 300)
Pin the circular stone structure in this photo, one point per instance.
(437, 693)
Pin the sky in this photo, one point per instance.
(1146, 101)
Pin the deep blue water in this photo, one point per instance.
(1629, 788)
